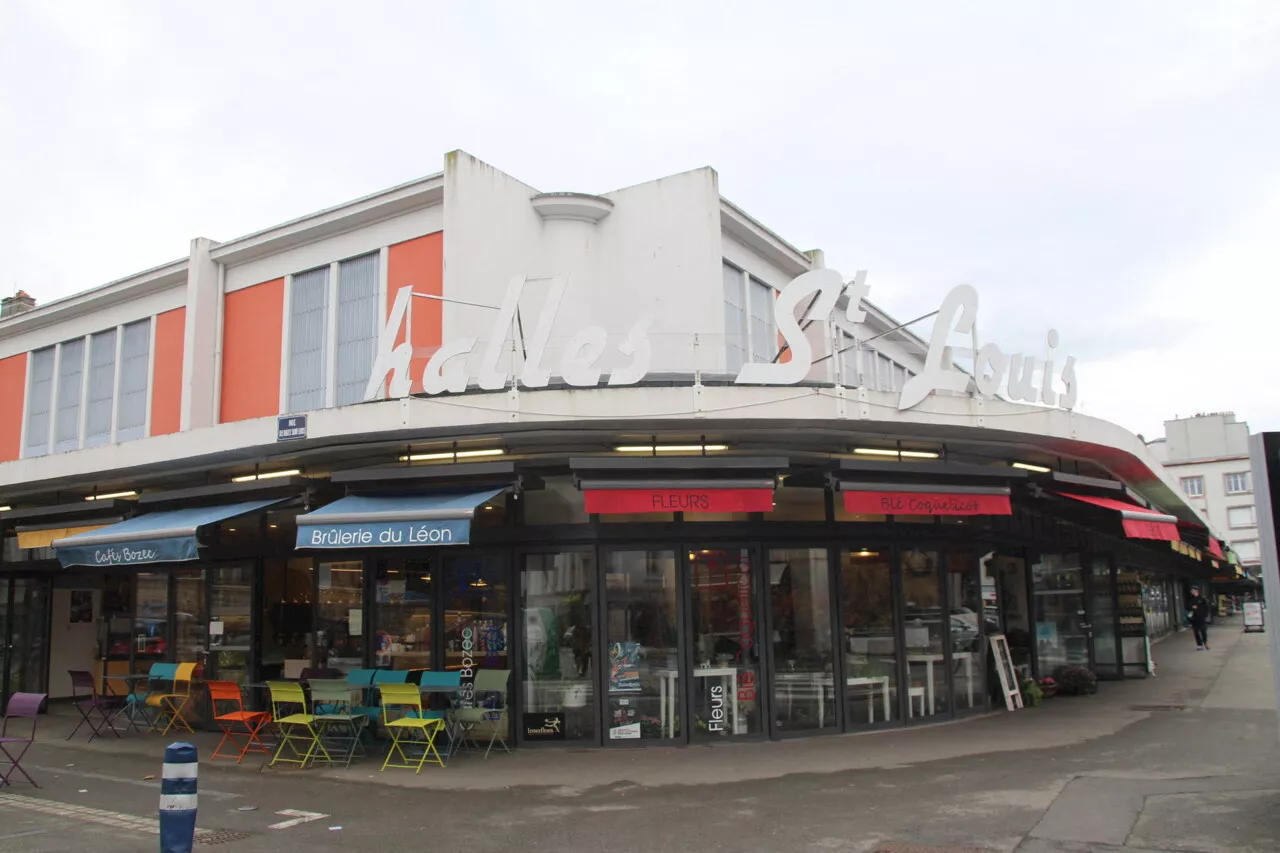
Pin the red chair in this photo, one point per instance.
(22, 706)
(235, 721)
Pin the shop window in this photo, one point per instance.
(1061, 638)
(151, 619)
(925, 632)
(642, 637)
(968, 629)
(1015, 609)
(558, 502)
(870, 645)
(915, 519)
(282, 528)
(639, 518)
(1102, 616)
(842, 514)
(492, 513)
(475, 594)
(287, 617)
(803, 647)
(402, 614)
(726, 678)
(231, 622)
(242, 532)
(559, 674)
(339, 616)
(798, 505)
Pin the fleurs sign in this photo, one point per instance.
(818, 291)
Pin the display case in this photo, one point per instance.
(1131, 618)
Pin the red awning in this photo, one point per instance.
(628, 501)
(937, 500)
(1215, 548)
(1139, 523)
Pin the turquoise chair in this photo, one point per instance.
(362, 680)
(380, 677)
(160, 678)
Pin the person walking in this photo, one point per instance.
(1198, 616)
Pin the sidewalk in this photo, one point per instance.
(1185, 678)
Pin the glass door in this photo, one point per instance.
(725, 678)
(1102, 618)
(926, 629)
(869, 641)
(1062, 632)
(231, 623)
(558, 608)
(642, 639)
(802, 640)
(24, 633)
(476, 600)
(339, 618)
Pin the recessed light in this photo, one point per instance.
(5, 508)
(904, 454)
(460, 454)
(110, 496)
(268, 475)
(671, 448)
(1027, 466)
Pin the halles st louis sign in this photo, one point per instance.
(1029, 379)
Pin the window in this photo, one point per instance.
(66, 424)
(735, 320)
(869, 369)
(884, 374)
(1247, 550)
(102, 388)
(899, 377)
(331, 356)
(89, 391)
(1241, 516)
(848, 361)
(1193, 486)
(748, 319)
(40, 402)
(1238, 483)
(764, 341)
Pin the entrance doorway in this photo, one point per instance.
(24, 632)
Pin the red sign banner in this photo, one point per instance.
(1138, 529)
(628, 501)
(926, 503)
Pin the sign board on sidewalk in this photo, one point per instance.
(1253, 620)
(1008, 673)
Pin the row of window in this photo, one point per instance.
(871, 370)
(89, 391)
(1237, 483)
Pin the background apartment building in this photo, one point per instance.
(1208, 454)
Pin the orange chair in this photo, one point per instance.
(236, 722)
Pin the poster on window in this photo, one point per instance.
(624, 668)
(81, 606)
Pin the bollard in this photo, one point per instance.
(178, 798)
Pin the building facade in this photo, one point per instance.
(1208, 454)
(681, 479)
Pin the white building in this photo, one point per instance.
(1208, 454)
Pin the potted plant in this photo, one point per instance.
(1031, 693)
(1048, 687)
(1075, 681)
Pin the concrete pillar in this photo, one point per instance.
(203, 322)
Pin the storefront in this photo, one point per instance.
(776, 514)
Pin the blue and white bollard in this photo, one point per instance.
(178, 798)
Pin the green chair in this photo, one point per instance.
(299, 733)
(413, 737)
(490, 711)
(338, 726)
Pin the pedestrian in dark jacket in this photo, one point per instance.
(1198, 616)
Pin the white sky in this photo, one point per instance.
(1108, 168)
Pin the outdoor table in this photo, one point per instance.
(131, 709)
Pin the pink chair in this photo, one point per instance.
(22, 706)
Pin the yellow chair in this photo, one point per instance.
(403, 717)
(299, 732)
(170, 707)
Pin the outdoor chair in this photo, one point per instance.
(22, 706)
(335, 721)
(299, 736)
(446, 684)
(490, 709)
(366, 705)
(171, 706)
(96, 711)
(413, 737)
(159, 679)
(227, 703)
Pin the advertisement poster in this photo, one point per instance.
(81, 606)
(624, 668)
(1252, 614)
(631, 731)
(544, 727)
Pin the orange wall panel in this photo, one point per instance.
(419, 263)
(13, 395)
(166, 372)
(252, 335)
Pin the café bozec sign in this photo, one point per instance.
(1029, 379)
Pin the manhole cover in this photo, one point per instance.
(218, 836)
(903, 847)
(1158, 708)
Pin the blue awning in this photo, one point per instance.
(393, 521)
(157, 537)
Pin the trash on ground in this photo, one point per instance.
(148, 777)
(247, 809)
(334, 828)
